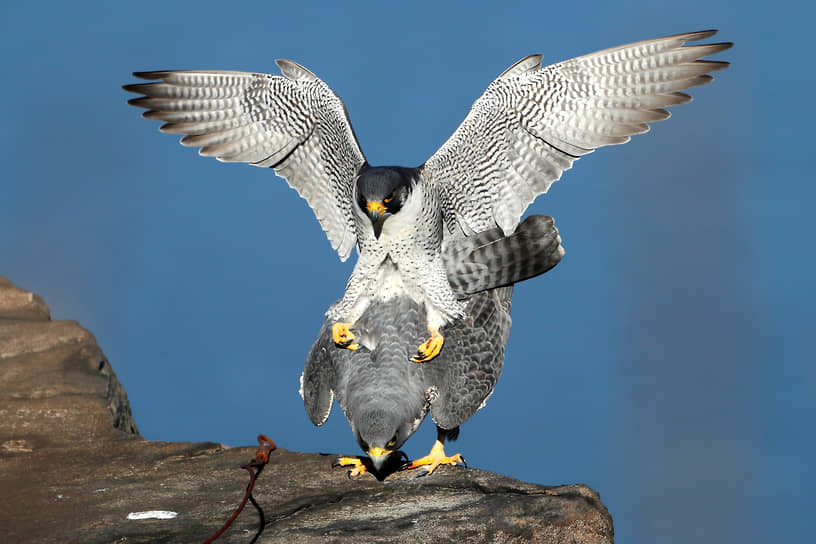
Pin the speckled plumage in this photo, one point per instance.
(406, 256)
(425, 265)
(381, 391)
(294, 124)
(529, 126)
(533, 122)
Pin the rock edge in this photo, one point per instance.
(73, 467)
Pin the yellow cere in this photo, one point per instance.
(374, 206)
(377, 452)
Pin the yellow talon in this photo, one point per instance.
(435, 458)
(430, 348)
(356, 462)
(343, 337)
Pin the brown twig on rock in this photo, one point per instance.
(254, 467)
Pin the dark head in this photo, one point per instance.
(381, 192)
(380, 432)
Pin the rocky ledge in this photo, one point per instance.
(73, 468)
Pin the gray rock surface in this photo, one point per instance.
(73, 466)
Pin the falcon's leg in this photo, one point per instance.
(355, 462)
(351, 307)
(343, 337)
(436, 457)
(430, 348)
(438, 317)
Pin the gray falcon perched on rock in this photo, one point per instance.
(529, 126)
(384, 395)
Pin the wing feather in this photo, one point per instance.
(294, 124)
(533, 122)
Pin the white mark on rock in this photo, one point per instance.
(153, 514)
(15, 446)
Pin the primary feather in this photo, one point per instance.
(533, 122)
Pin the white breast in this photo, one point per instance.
(389, 284)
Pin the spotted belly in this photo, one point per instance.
(389, 284)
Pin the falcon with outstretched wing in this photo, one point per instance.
(529, 126)
(438, 246)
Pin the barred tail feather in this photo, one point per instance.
(489, 259)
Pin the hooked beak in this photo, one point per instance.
(378, 215)
(378, 456)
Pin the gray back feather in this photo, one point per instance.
(466, 371)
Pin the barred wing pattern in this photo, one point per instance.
(533, 122)
(294, 124)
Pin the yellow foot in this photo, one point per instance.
(435, 458)
(343, 337)
(430, 348)
(356, 462)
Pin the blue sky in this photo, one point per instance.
(668, 361)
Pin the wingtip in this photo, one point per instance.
(705, 34)
(295, 71)
(153, 115)
(528, 63)
(134, 87)
(714, 48)
(152, 75)
(167, 128)
(139, 102)
(716, 65)
(697, 35)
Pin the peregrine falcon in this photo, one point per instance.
(384, 395)
(527, 127)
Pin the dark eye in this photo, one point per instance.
(392, 441)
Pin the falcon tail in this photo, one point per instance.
(489, 259)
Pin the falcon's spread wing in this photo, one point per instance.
(533, 122)
(318, 381)
(472, 361)
(294, 124)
